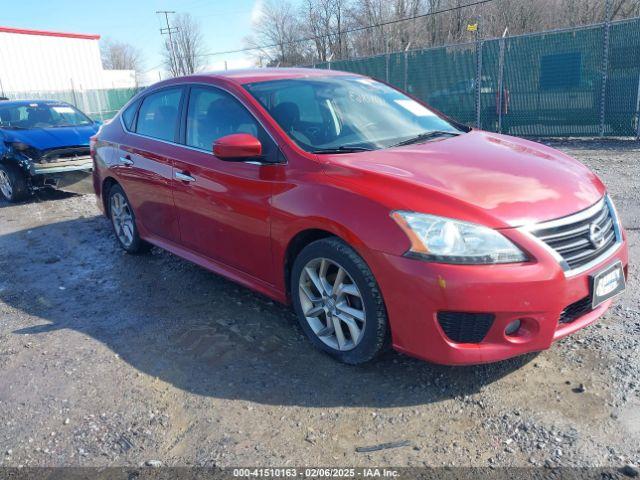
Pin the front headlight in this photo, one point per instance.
(445, 240)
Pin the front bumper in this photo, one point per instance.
(61, 167)
(70, 176)
(536, 292)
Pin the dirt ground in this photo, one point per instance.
(112, 359)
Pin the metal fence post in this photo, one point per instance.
(501, 79)
(386, 61)
(406, 66)
(386, 57)
(638, 111)
(605, 64)
(406, 70)
(73, 93)
(98, 93)
(478, 75)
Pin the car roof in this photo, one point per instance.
(264, 74)
(19, 103)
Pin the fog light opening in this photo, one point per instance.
(512, 328)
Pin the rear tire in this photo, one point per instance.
(338, 302)
(13, 183)
(123, 221)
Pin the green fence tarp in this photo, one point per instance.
(551, 82)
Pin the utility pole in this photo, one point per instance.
(169, 30)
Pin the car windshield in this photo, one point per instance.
(342, 114)
(41, 115)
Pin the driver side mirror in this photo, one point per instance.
(237, 147)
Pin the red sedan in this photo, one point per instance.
(380, 220)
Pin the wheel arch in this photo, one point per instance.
(296, 244)
(309, 234)
(107, 184)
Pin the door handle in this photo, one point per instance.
(126, 160)
(184, 177)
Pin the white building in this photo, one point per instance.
(35, 60)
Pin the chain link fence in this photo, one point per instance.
(97, 104)
(582, 81)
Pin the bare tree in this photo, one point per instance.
(394, 25)
(186, 55)
(120, 56)
(274, 36)
(324, 21)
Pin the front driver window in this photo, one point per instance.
(213, 114)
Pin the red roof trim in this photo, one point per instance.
(46, 33)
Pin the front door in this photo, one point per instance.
(224, 207)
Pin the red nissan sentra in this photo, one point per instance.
(380, 220)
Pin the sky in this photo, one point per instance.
(224, 23)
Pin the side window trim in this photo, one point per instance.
(184, 91)
(134, 124)
(136, 103)
(184, 113)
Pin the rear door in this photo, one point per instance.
(145, 164)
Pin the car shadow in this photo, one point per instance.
(197, 331)
(45, 195)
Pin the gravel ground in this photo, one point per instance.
(111, 359)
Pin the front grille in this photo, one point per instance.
(65, 154)
(575, 310)
(464, 327)
(572, 238)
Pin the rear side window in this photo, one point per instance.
(129, 114)
(158, 115)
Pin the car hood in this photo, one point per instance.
(47, 138)
(488, 178)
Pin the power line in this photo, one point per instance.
(351, 30)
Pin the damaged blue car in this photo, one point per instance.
(43, 144)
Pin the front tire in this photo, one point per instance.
(13, 183)
(123, 221)
(338, 302)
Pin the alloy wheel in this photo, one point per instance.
(122, 219)
(332, 304)
(5, 184)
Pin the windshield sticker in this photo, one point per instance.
(364, 98)
(62, 110)
(415, 108)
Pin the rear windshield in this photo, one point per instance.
(41, 115)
